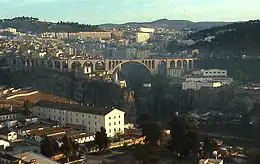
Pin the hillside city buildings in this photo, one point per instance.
(89, 56)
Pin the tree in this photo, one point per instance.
(152, 131)
(184, 136)
(27, 107)
(101, 139)
(177, 135)
(174, 47)
(209, 145)
(48, 147)
(69, 147)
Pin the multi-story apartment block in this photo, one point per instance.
(198, 85)
(214, 72)
(92, 118)
(142, 37)
(6, 114)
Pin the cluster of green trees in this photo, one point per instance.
(242, 70)
(50, 147)
(27, 108)
(26, 24)
(100, 93)
(231, 41)
(101, 139)
(240, 39)
(185, 138)
(162, 100)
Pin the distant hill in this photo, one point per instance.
(34, 25)
(233, 40)
(178, 24)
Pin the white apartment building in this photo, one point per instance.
(175, 72)
(92, 118)
(223, 80)
(7, 114)
(142, 37)
(193, 85)
(146, 30)
(214, 72)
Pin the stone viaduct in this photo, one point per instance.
(109, 65)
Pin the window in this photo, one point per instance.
(95, 123)
(88, 129)
(119, 116)
(114, 117)
(88, 116)
(118, 122)
(77, 120)
(115, 130)
(109, 118)
(83, 115)
(109, 130)
(109, 124)
(88, 122)
(114, 123)
(95, 117)
(77, 114)
(119, 129)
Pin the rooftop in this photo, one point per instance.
(49, 131)
(34, 126)
(75, 107)
(39, 159)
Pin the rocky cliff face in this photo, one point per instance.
(66, 85)
(61, 84)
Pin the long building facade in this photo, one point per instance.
(91, 118)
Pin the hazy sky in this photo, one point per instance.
(118, 11)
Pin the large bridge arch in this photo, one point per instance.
(119, 64)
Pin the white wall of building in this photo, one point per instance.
(142, 37)
(7, 117)
(92, 122)
(4, 143)
(114, 122)
(198, 85)
(87, 70)
(223, 80)
(214, 72)
(147, 30)
(85, 139)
